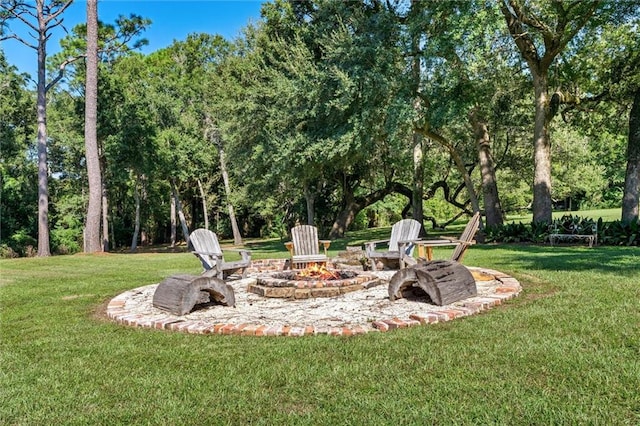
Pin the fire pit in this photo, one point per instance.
(314, 281)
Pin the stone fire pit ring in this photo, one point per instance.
(350, 313)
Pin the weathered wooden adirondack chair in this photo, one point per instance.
(461, 244)
(304, 247)
(404, 235)
(204, 245)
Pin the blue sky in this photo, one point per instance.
(171, 20)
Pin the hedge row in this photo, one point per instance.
(613, 233)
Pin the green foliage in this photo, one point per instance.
(570, 224)
(66, 236)
(578, 176)
(318, 101)
(22, 243)
(619, 233)
(510, 233)
(18, 187)
(382, 213)
(7, 252)
(609, 233)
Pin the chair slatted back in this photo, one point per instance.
(205, 241)
(404, 230)
(305, 240)
(467, 237)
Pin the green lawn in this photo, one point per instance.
(607, 215)
(566, 351)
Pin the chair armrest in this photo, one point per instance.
(244, 253)
(407, 246)
(452, 239)
(325, 245)
(367, 243)
(207, 253)
(409, 241)
(289, 246)
(370, 246)
(438, 242)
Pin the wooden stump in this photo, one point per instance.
(444, 281)
(178, 294)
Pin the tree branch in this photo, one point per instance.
(523, 40)
(20, 39)
(61, 69)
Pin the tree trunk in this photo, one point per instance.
(105, 218)
(631, 196)
(92, 225)
(417, 193)
(492, 207)
(183, 221)
(353, 205)
(43, 169)
(310, 201)
(237, 238)
(344, 219)
(136, 230)
(174, 238)
(542, 207)
(204, 205)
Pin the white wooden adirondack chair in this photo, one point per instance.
(304, 247)
(204, 245)
(461, 244)
(404, 235)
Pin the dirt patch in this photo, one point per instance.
(534, 288)
(99, 313)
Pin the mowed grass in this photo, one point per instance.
(566, 351)
(607, 215)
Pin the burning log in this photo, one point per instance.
(317, 271)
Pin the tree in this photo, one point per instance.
(492, 205)
(18, 211)
(606, 76)
(92, 227)
(631, 196)
(41, 19)
(541, 31)
(110, 43)
(328, 74)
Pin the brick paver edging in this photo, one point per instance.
(508, 288)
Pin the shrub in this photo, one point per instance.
(609, 233)
(7, 252)
(618, 233)
(22, 243)
(516, 233)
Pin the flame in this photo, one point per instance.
(318, 271)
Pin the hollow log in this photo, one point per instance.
(178, 294)
(444, 281)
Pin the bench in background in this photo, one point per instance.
(571, 229)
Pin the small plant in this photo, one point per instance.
(7, 252)
(516, 233)
(618, 234)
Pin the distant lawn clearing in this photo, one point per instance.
(607, 215)
(565, 352)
